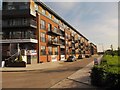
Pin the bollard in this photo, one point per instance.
(95, 61)
(3, 64)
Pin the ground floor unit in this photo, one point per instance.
(29, 52)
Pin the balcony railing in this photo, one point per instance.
(70, 39)
(76, 47)
(54, 32)
(28, 23)
(17, 37)
(62, 37)
(53, 42)
(62, 43)
(76, 41)
(73, 41)
(42, 27)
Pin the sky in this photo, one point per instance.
(97, 21)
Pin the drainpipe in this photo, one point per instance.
(38, 36)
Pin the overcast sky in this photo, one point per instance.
(98, 21)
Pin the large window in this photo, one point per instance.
(11, 6)
(43, 24)
(16, 35)
(43, 37)
(49, 15)
(50, 50)
(55, 29)
(36, 7)
(43, 11)
(23, 5)
(43, 50)
(56, 40)
(56, 50)
(49, 27)
(49, 38)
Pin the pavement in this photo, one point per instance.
(33, 67)
(79, 79)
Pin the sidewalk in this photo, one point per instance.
(33, 67)
(80, 79)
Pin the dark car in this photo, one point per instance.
(80, 56)
(87, 55)
(71, 58)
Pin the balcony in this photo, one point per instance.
(18, 23)
(70, 46)
(62, 37)
(13, 13)
(53, 43)
(73, 41)
(62, 43)
(76, 41)
(76, 47)
(54, 32)
(69, 39)
(19, 41)
(62, 46)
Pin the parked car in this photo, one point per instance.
(95, 61)
(80, 56)
(87, 56)
(71, 58)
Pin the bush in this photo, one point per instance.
(112, 80)
(102, 77)
(98, 76)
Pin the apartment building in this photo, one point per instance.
(41, 34)
(93, 49)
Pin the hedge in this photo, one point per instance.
(102, 76)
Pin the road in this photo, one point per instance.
(42, 78)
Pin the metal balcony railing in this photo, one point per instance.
(53, 42)
(54, 32)
(19, 37)
(20, 23)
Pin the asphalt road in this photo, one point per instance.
(42, 78)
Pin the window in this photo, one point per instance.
(12, 22)
(10, 3)
(43, 11)
(56, 20)
(66, 36)
(56, 50)
(16, 35)
(49, 15)
(49, 38)
(56, 40)
(36, 7)
(49, 27)
(67, 51)
(55, 29)
(24, 21)
(23, 7)
(43, 37)
(43, 24)
(50, 50)
(43, 50)
(10, 6)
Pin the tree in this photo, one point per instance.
(112, 53)
(118, 51)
